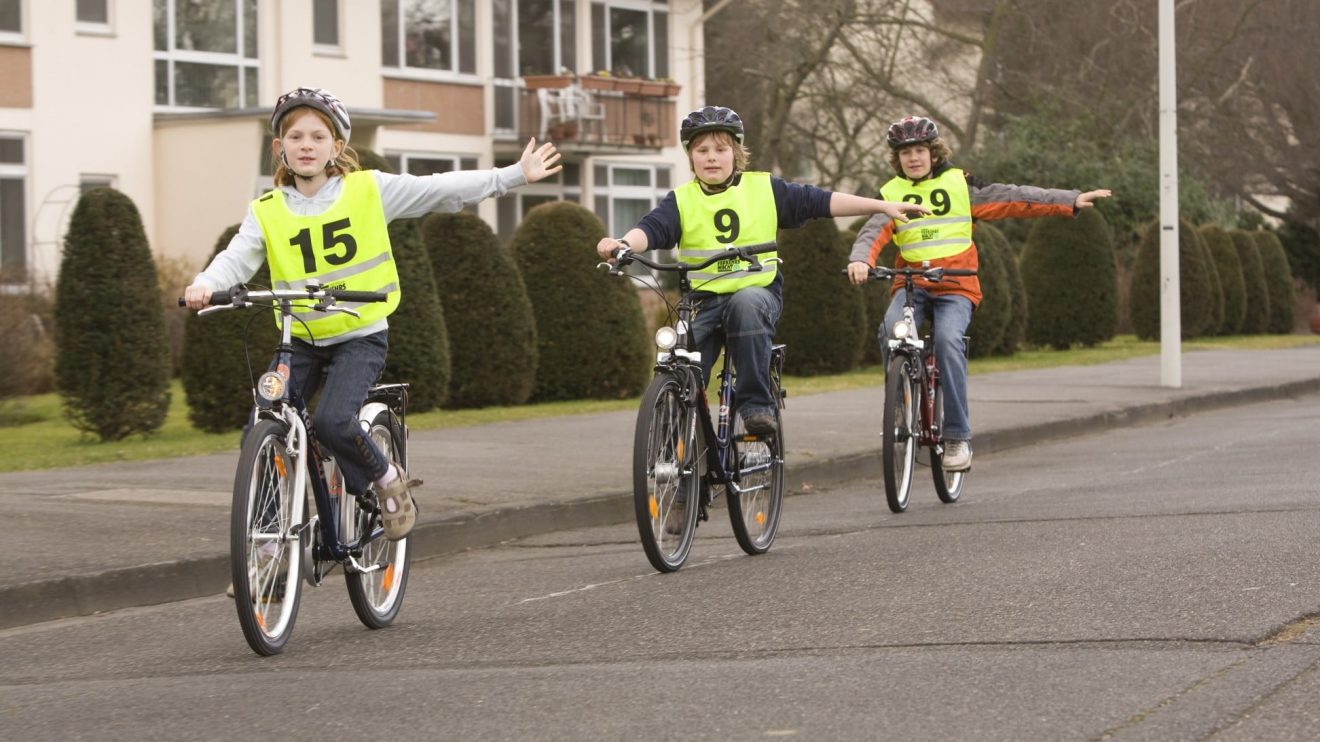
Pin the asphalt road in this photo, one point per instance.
(1156, 582)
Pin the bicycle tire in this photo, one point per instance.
(265, 553)
(666, 470)
(899, 440)
(948, 485)
(755, 514)
(377, 596)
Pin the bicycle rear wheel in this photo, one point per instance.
(666, 473)
(948, 484)
(898, 445)
(265, 555)
(377, 592)
(755, 507)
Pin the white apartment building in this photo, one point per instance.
(168, 101)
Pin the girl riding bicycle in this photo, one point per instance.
(728, 206)
(326, 223)
(921, 158)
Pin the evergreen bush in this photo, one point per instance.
(1015, 335)
(1256, 293)
(419, 336)
(112, 357)
(1278, 280)
(494, 340)
(1229, 269)
(591, 335)
(824, 317)
(1215, 314)
(1302, 245)
(1194, 283)
(1071, 282)
(217, 382)
(990, 321)
(875, 300)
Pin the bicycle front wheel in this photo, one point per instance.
(666, 473)
(898, 445)
(755, 505)
(948, 484)
(376, 590)
(265, 555)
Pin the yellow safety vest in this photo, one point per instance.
(948, 229)
(739, 216)
(346, 247)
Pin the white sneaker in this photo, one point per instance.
(957, 456)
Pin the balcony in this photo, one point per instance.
(596, 113)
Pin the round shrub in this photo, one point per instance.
(419, 336)
(824, 320)
(991, 319)
(1256, 318)
(1194, 283)
(1068, 272)
(1215, 311)
(1229, 268)
(112, 354)
(1278, 281)
(1302, 245)
(494, 340)
(217, 381)
(591, 335)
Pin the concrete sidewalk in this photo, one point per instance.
(98, 538)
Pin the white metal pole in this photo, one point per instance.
(1170, 291)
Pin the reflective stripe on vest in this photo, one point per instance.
(948, 230)
(346, 247)
(739, 216)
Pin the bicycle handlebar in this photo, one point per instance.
(239, 296)
(930, 274)
(623, 256)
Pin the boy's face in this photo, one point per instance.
(712, 158)
(915, 159)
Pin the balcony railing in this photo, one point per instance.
(631, 114)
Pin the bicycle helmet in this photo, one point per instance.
(911, 130)
(710, 118)
(318, 98)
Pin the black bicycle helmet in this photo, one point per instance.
(322, 100)
(911, 130)
(710, 118)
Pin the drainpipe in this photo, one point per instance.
(692, 46)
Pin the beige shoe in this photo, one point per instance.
(957, 456)
(398, 513)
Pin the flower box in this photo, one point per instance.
(537, 82)
(628, 85)
(652, 88)
(671, 89)
(597, 82)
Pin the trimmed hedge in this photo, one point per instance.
(1278, 280)
(1229, 268)
(990, 321)
(1071, 282)
(591, 335)
(1215, 314)
(419, 335)
(1256, 318)
(1194, 283)
(824, 317)
(485, 299)
(217, 381)
(112, 354)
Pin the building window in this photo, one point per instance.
(438, 35)
(93, 16)
(13, 209)
(631, 39)
(566, 185)
(546, 36)
(11, 20)
(627, 192)
(325, 25)
(206, 53)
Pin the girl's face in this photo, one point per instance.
(308, 143)
(712, 159)
(915, 159)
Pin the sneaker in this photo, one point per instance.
(398, 513)
(957, 456)
(760, 424)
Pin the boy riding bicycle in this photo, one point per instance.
(944, 239)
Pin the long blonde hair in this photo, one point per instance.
(345, 162)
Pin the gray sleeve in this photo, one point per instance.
(861, 247)
(406, 196)
(240, 260)
(1007, 193)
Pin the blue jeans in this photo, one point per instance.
(952, 314)
(350, 369)
(745, 319)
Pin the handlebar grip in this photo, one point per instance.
(360, 296)
(218, 298)
(959, 272)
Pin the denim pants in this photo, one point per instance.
(350, 369)
(952, 314)
(745, 319)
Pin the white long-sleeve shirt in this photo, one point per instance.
(401, 197)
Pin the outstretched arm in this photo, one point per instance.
(1087, 200)
(846, 204)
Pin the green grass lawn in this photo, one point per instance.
(35, 435)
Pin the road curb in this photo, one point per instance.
(165, 582)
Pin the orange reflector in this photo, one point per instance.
(760, 517)
(653, 506)
(279, 466)
(681, 445)
(260, 621)
(388, 581)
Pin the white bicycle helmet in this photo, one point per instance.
(318, 98)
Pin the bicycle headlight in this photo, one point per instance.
(666, 338)
(270, 386)
(901, 329)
